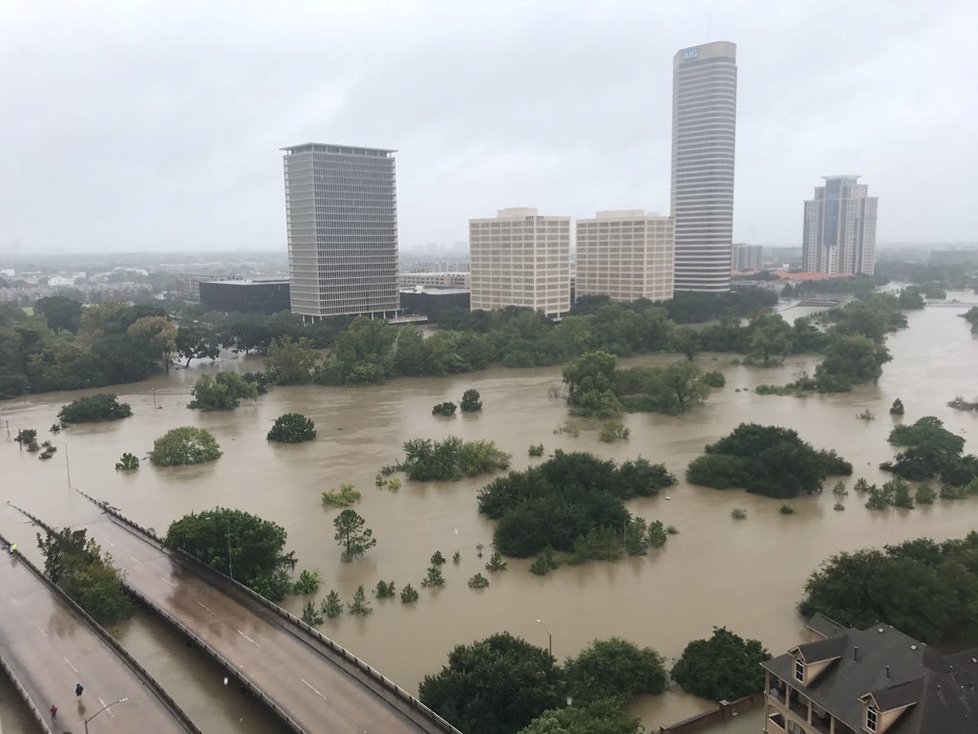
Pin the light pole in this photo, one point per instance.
(550, 638)
(121, 700)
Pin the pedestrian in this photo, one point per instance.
(79, 689)
(54, 712)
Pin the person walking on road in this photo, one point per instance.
(79, 689)
(54, 712)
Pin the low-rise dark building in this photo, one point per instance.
(249, 296)
(432, 301)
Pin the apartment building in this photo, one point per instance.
(872, 681)
(840, 228)
(747, 257)
(625, 255)
(519, 258)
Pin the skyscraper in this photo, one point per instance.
(840, 228)
(704, 122)
(520, 259)
(341, 214)
(625, 255)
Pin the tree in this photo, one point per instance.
(291, 362)
(686, 341)
(726, 666)
(332, 606)
(590, 385)
(128, 462)
(197, 342)
(352, 534)
(223, 392)
(360, 605)
(494, 686)
(471, 401)
(850, 360)
(444, 409)
(60, 313)
(159, 333)
(184, 445)
(246, 547)
(771, 338)
(292, 428)
(614, 669)
(603, 717)
(94, 408)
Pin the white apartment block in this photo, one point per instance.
(840, 228)
(520, 259)
(442, 279)
(626, 255)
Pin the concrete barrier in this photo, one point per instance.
(724, 710)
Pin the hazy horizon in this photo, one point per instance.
(157, 128)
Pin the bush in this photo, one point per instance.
(223, 392)
(925, 494)
(496, 563)
(897, 407)
(427, 460)
(726, 666)
(471, 401)
(128, 462)
(385, 589)
(787, 510)
(332, 606)
(444, 409)
(434, 578)
(94, 409)
(292, 428)
(714, 379)
(311, 615)
(614, 431)
(437, 559)
(614, 669)
(738, 514)
(184, 446)
(536, 449)
(478, 582)
(307, 583)
(408, 595)
(345, 496)
(360, 605)
(544, 563)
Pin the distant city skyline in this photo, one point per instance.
(138, 128)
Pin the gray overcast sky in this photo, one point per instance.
(135, 125)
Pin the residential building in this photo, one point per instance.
(445, 279)
(747, 257)
(840, 228)
(432, 302)
(522, 259)
(246, 296)
(872, 681)
(704, 123)
(341, 214)
(625, 255)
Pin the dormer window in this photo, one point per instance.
(799, 670)
(872, 717)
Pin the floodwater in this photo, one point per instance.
(745, 575)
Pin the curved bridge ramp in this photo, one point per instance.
(310, 682)
(47, 645)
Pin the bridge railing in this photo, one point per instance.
(399, 694)
(148, 680)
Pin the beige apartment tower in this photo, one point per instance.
(625, 255)
(522, 259)
(840, 228)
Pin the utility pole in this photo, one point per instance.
(67, 464)
(121, 700)
(230, 567)
(550, 638)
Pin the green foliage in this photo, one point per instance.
(255, 546)
(332, 606)
(291, 362)
(787, 510)
(352, 534)
(838, 507)
(93, 409)
(614, 431)
(478, 581)
(726, 666)
(345, 496)
(850, 360)
(26, 436)
(437, 559)
(685, 341)
(714, 378)
(197, 341)
(636, 539)
(971, 316)
(385, 589)
(60, 313)
(496, 563)
(766, 460)
(738, 513)
(614, 669)
(494, 686)
(770, 340)
(925, 494)
(839, 490)
(444, 409)
(453, 458)
(590, 385)
(292, 428)
(183, 446)
(311, 615)
(602, 717)
(433, 578)
(77, 565)
(563, 499)
(536, 449)
(128, 462)
(658, 535)
(456, 557)
(223, 392)
(307, 583)
(471, 401)
(394, 484)
(926, 589)
(931, 451)
(409, 594)
(360, 605)
(897, 407)
(364, 354)
(545, 562)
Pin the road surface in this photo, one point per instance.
(49, 649)
(315, 687)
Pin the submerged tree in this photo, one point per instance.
(352, 534)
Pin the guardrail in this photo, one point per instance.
(148, 680)
(360, 668)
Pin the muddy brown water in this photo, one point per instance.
(745, 575)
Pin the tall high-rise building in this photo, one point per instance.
(747, 257)
(520, 259)
(341, 213)
(704, 123)
(840, 228)
(625, 255)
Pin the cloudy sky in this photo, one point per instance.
(136, 125)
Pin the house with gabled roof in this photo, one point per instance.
(872, 681)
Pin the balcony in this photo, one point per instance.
(776, 724)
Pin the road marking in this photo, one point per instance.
(110, 543)
(108, 709)
(41, 630)
(136, 560)
(205, 607)
(70, 664)
(252, 641)
(166, 580)
(312, 687)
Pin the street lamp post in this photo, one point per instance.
(550, 638)
(121, 700)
